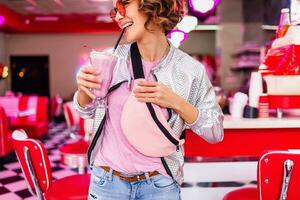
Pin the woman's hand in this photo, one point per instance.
(88, 78)
(157, 93)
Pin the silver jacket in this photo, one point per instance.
(186, 77)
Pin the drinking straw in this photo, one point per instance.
(119, 39)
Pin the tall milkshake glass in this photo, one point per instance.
(105, 63)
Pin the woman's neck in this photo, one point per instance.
(153, 47)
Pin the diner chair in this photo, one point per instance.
(278, 175)
(36, 168)
(56, 107)
(6, 145)
(72, 119)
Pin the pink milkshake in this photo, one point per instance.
(105, 63)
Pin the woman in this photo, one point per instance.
(119, 171)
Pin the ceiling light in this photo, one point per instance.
(203, 6)
(177, 37)
(187, 24)
(46, 18)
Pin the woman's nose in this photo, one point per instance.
(118, 16)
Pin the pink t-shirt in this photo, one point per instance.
(115, 151)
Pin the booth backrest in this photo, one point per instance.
(5, 134)
(42, 105)
(33, 107)
(10, 104)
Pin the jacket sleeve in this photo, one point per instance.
(86, 112)
(209, 123)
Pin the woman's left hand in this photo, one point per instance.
(157, 93)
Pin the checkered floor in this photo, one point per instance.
(13, 186)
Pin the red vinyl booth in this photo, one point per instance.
(35, 165)
(27, 112)
(35, 125)
(278, 178)
(5, 134)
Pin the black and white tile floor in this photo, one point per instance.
(217, 178)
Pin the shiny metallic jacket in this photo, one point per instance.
(186, 77)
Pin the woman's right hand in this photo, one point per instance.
(88, 78)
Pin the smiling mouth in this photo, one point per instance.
(127, 25)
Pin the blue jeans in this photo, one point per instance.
(106, 186)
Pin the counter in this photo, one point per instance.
(247, 137)
(260, 123)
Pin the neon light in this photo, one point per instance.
(187, 24)
(177, 37)
(2, 20)
(203, 6)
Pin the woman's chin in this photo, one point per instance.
(129, 39)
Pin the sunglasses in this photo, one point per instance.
(120, 7)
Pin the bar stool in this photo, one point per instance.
(36, 167)
(278, 178)
(74, 154)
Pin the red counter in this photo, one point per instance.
(247, 137)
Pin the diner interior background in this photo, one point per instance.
(238, 24)
(43, 44)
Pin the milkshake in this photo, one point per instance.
(105, 63)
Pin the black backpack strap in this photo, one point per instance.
(138, 72)
(136, 61)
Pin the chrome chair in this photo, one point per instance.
(35, 165)
(278, 178)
